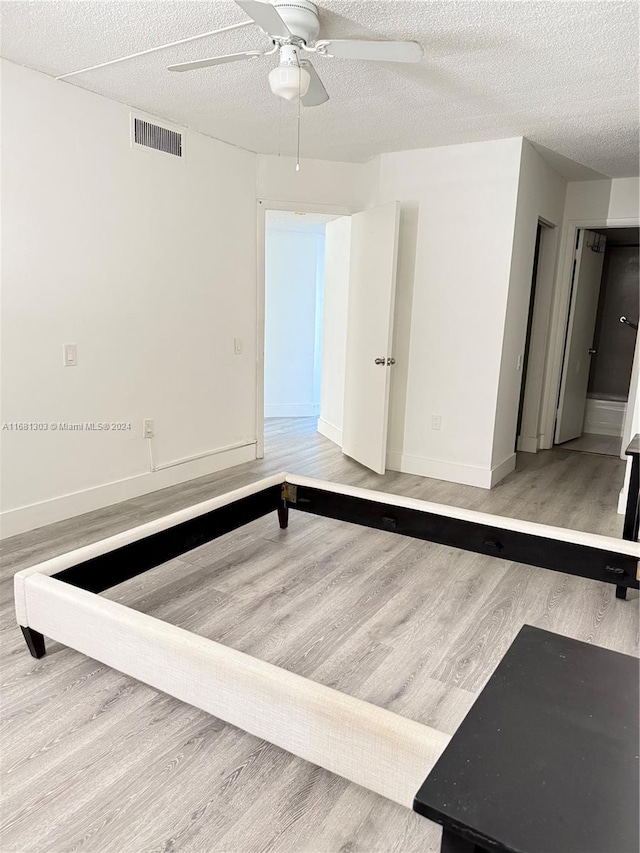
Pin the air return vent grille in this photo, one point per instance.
(160, 138)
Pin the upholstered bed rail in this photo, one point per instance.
(91, 553)
(371, 746)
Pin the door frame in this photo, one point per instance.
(262, 206)
(586, 274)
(540, 303)
(560, 315)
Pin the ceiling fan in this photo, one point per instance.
(293, 28)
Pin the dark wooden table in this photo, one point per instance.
(546, 761)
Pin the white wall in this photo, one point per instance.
(605, 199)
(293, 289)
(587, 200)
(541, 195)
(624, 201)
(456, 238)
(334, 336)
(319, 182)
(147, 263)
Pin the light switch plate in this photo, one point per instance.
(70, 355)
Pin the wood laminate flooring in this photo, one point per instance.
(95, 761)
(595, 443)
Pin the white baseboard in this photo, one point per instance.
(21, 519)
(604, 417)
(499, 472)
(284, 410)
(330, 431)
(544, 442)
(467, 475)
(527, 444)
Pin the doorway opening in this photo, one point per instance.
(600, 341)
(294, 288)
(325, 340)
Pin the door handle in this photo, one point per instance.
(592, 351)
(379, 361)
(391, 361)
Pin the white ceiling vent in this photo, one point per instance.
(150, 135)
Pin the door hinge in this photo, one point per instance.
(289, 493)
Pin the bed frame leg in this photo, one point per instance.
(621, 592)
(452, 843)
(35, 642)
(283, 516)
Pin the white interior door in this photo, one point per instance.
(580, 332)
(372, 287)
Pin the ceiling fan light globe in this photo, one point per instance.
(289, 81)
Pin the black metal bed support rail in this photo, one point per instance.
(119, 565)
(528, 548)
(128, 561)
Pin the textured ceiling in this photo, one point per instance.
(563, 74)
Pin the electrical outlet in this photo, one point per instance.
(147, 428)
(237, 346)
(436, 421)
(70, 355)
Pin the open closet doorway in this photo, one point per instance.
(600, 342)
(294, 290)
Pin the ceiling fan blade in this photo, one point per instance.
(266, 17)
(215, 60)
(376, 51)
(316, 94)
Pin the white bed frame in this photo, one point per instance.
(375, 748)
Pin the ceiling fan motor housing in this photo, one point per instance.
(301, 17)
